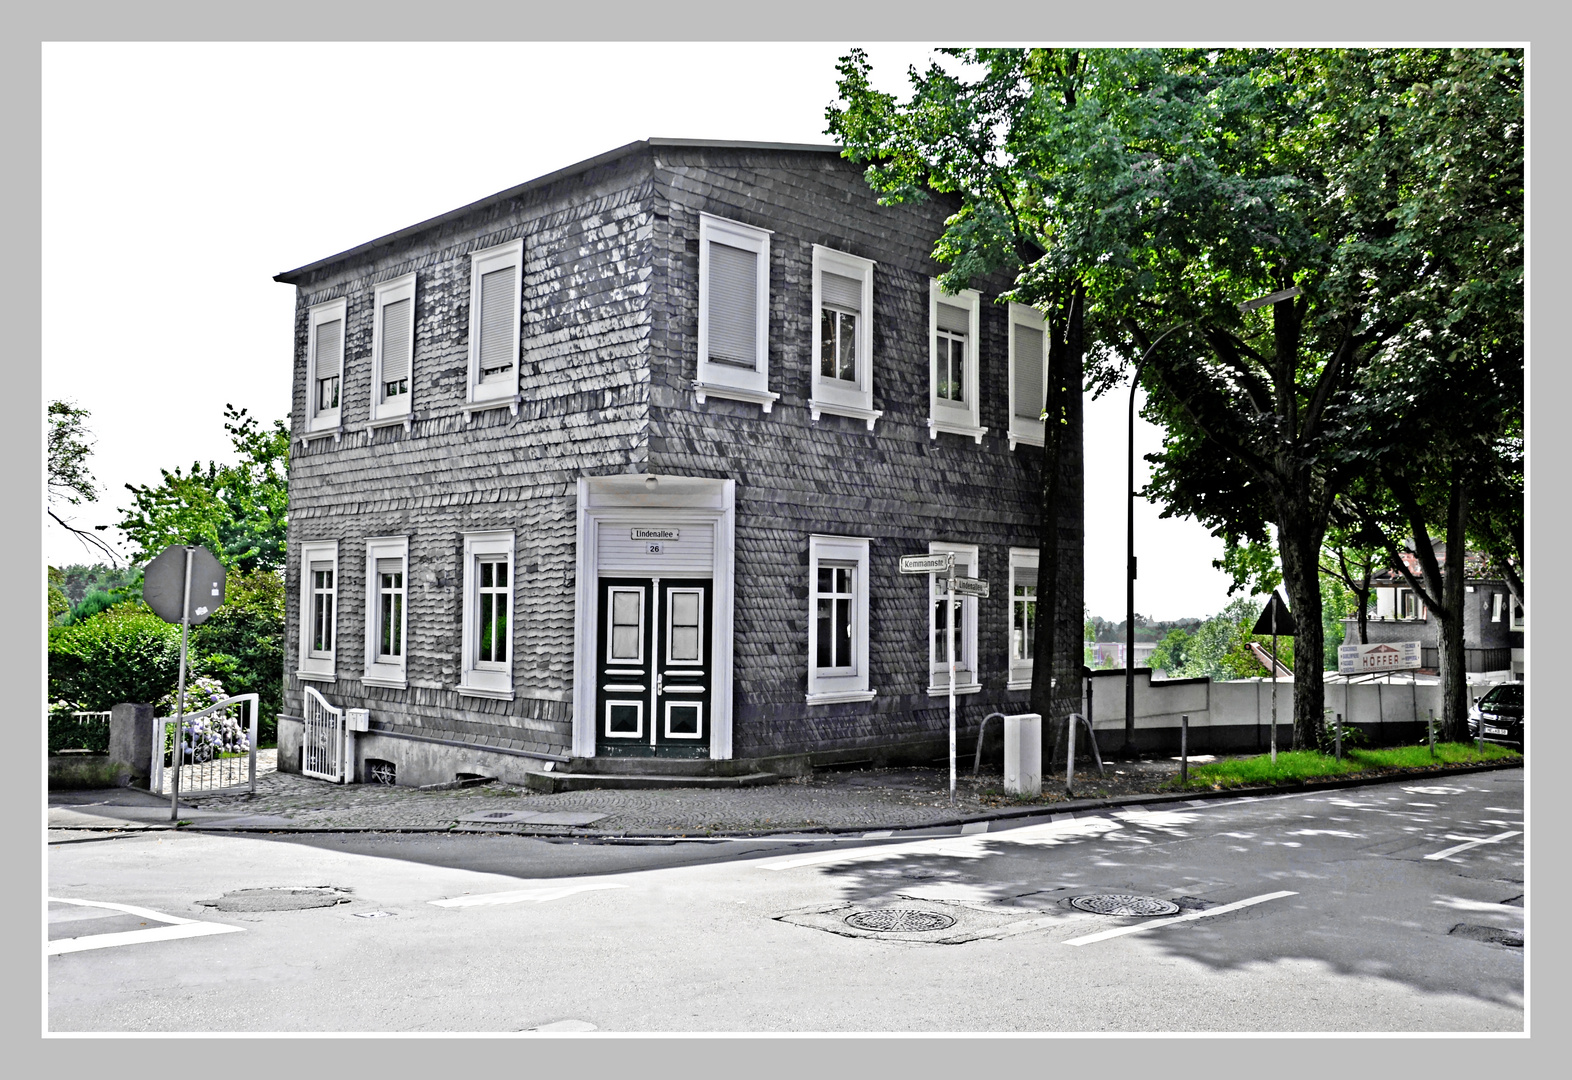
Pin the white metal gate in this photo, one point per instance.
(218, 748)
(324, 751)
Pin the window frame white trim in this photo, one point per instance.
(1020, 672)
(379, 672)
(727, 380)
(856, 685)
(390, 292)
(966, 637)
(1020, 430)
(943, 416)
(1516, 619)
(475, 680)
(837, 396)
(326, 421)
(477, 396)
(307, 666)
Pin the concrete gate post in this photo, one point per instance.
(131, 743)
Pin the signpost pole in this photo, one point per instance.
(180, 700)
(1274, 680)
(949, 610)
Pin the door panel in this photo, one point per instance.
(653, 669)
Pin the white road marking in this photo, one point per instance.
(174, 928)
(1473, 841)
(1120, 931)
(973, 827)
(519, 896)
(975, 846)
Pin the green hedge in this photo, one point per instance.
(125, 653)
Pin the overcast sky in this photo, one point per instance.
(195, 172)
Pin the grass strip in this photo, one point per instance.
(1295, 766)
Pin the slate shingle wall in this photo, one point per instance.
(584, 376)
(894, 485)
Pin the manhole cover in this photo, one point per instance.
(899, 920)
(1124, 904)
(287, 899)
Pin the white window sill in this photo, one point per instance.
(960, 688)
(1033, 439)
(336, 433)
(868, 415)
(830, 697)
(405, 420)
(317, 676)
(484, 692)
(1019, 684)
(387, 681)
(505, 401)
(936, 426)
(762, 398)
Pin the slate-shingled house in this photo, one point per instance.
(620, 463)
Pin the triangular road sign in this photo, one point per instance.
(1285, 621)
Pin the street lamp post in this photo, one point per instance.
(1129, 581)
(1129, 574)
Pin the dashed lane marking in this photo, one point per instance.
(1473, 841)
(520, 896)
(1153, 924)
(173, 929)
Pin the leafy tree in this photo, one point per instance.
(79, 580)
(70, 481)
(1220, 647)
(242, 644)
(1167, 188)
(236, 511)
(1172, 651)
(59, 604)
(1349, 566)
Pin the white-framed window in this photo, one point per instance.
(734, 312)
(1023, 616)
(488, 615)
(953, 383)
(842, 336)
(1517, 616)
(965, 619)
(393, 350)
(1028, 374)
(1409, 605)
(325, 364)
(387, 610)
(318, 610)
(496, 302)
(838, 620)
(1497, 603)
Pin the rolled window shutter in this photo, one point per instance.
(1028, 372)
(330, 348)
(390, 566)
(955, 319)
(841, 291)
(733, 305)
(1026, 576)
(395, 339)
(498, 319)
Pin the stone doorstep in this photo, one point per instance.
(550, 783)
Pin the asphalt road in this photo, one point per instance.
(1385, 908)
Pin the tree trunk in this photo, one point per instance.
(1056, 648)
(1454, 660)
(1299, 536)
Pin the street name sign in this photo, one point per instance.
(656, 534)
(970, 586)
(1387, 656)
(924, 564)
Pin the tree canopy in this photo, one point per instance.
(237, 511)
(1371, 197)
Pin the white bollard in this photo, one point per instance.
(1023, 754)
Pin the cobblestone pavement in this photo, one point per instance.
(852, 799)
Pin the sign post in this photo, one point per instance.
(166, 586)
(1275, 619)
(945, 564)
